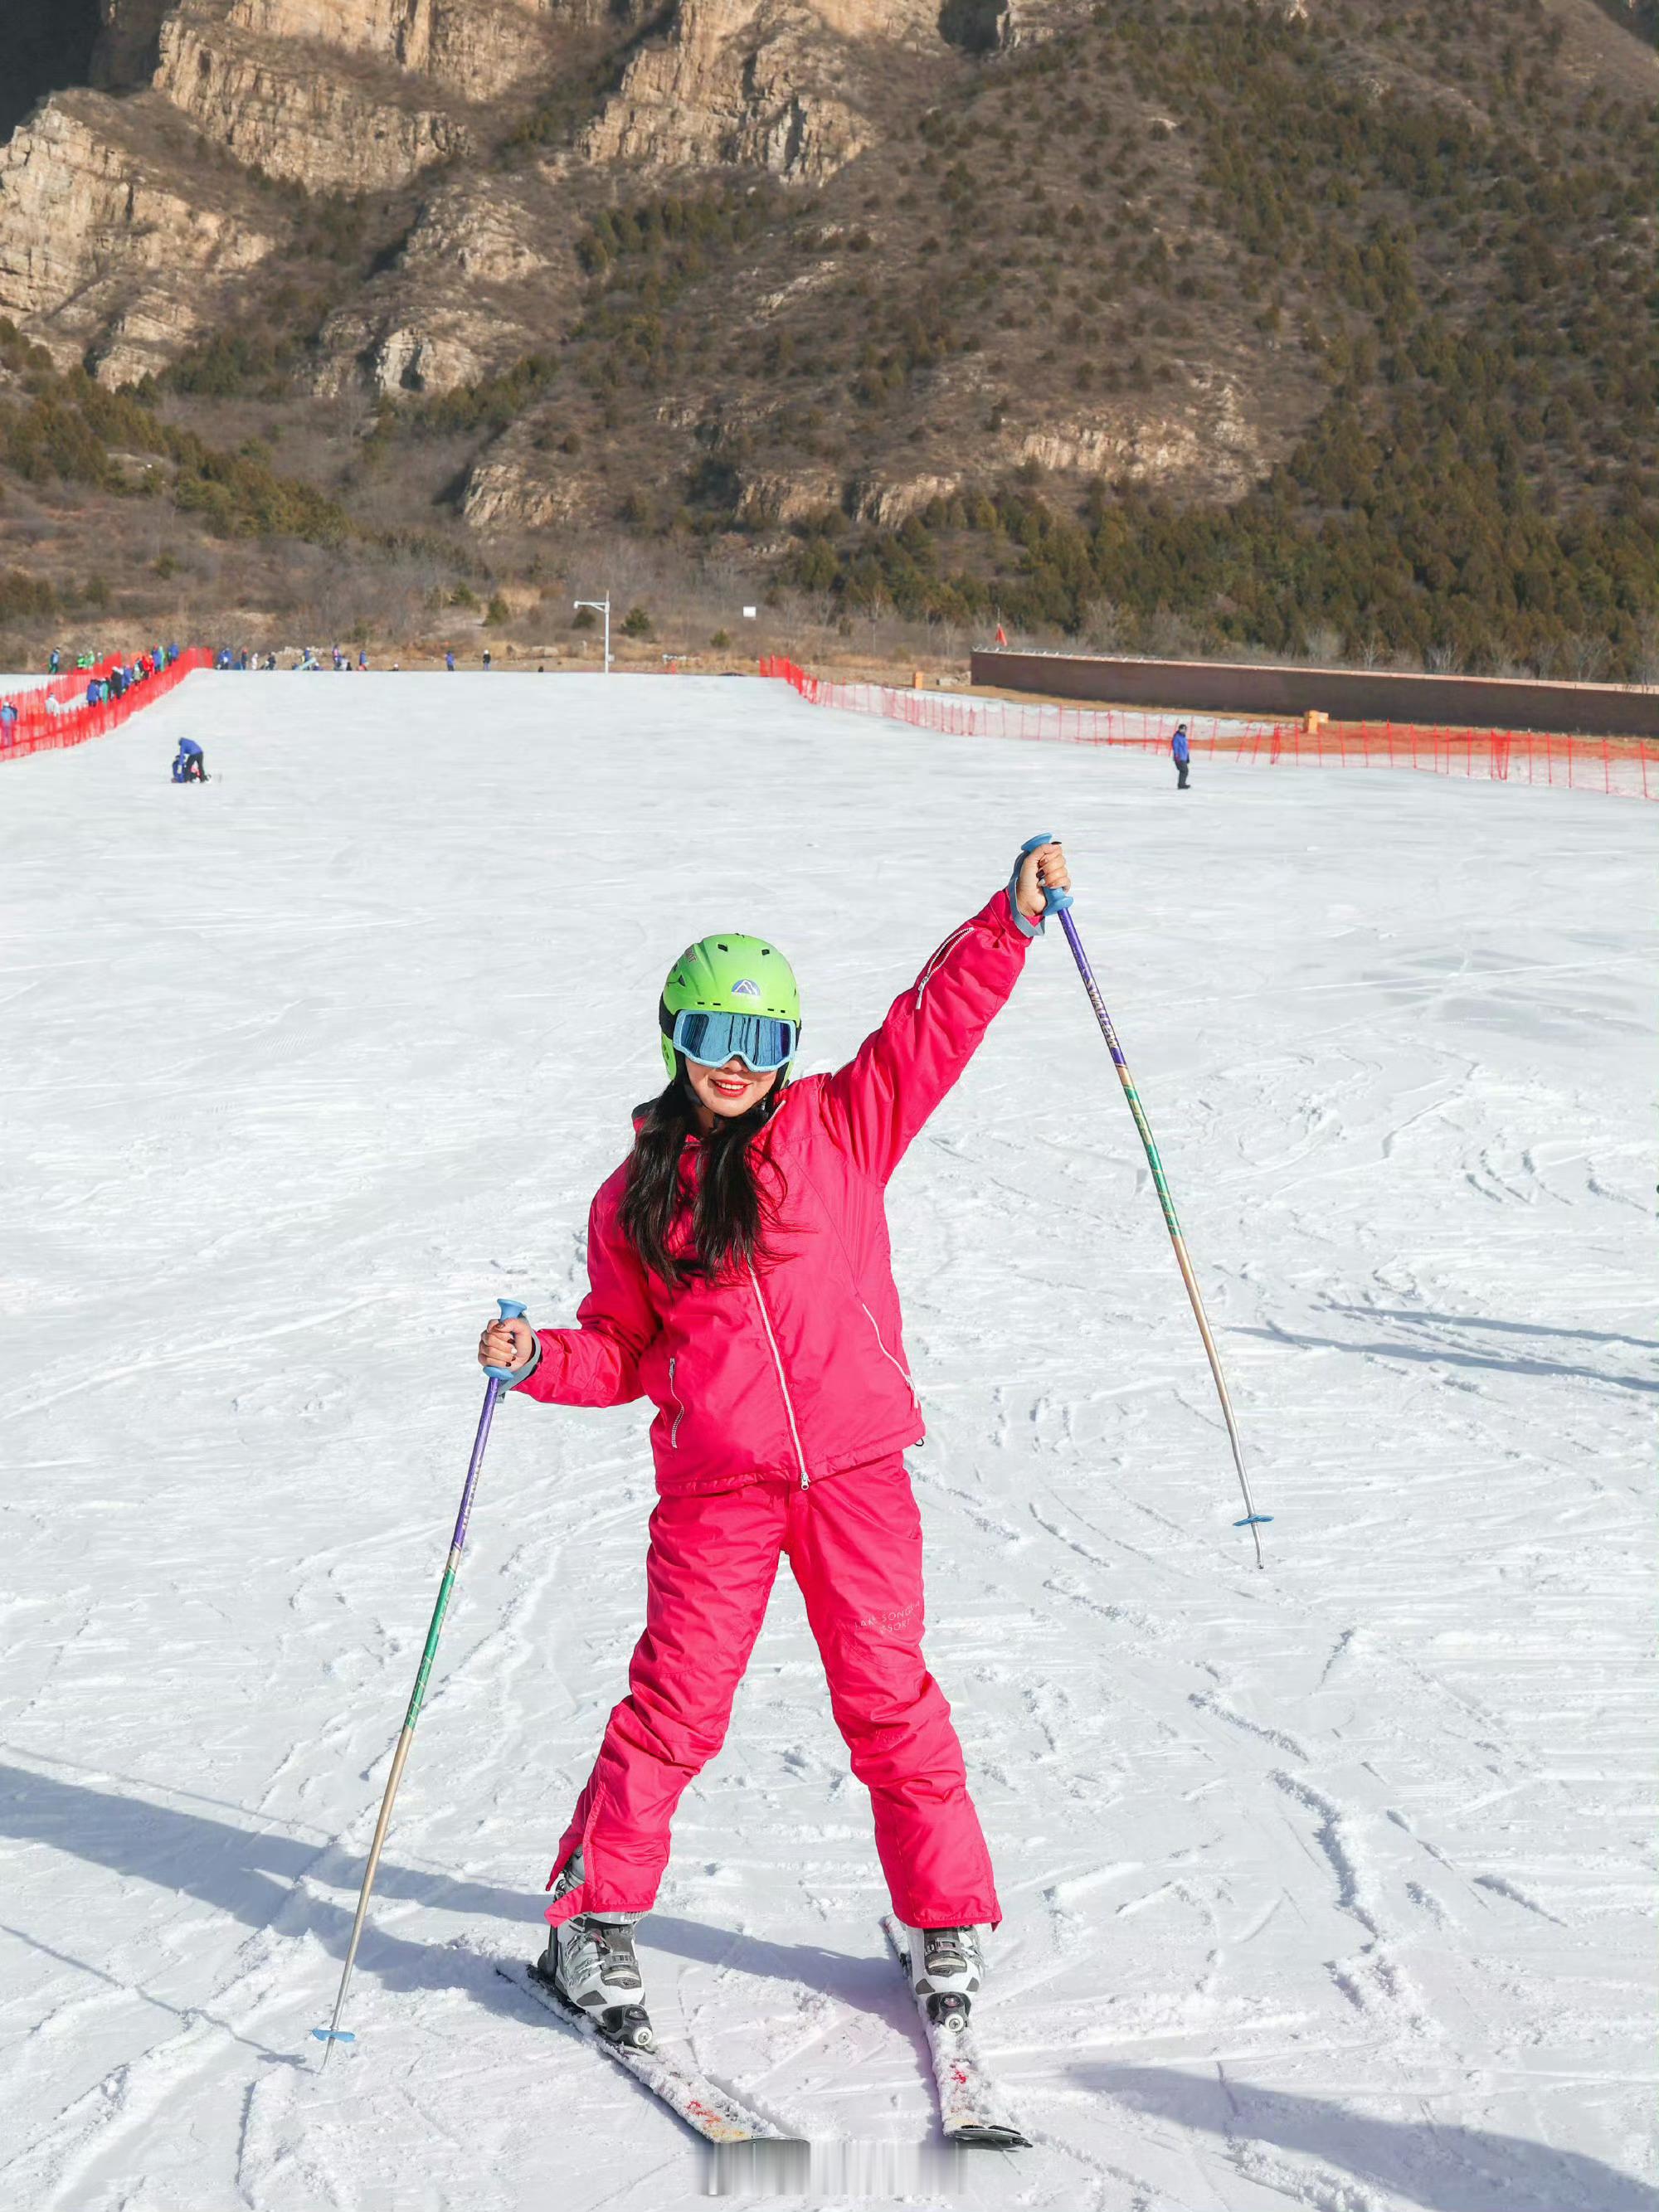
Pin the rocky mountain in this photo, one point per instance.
(125, 207)
(798, 272)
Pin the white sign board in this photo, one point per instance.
(749, 613)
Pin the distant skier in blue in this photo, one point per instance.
(1180, 755)
(188, 764)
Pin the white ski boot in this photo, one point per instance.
(947, 1969)
(589, 1962)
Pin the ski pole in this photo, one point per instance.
(333, 2034)
(1059, 902)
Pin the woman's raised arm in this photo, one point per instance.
(876, 1103)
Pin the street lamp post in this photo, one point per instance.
(602, 607)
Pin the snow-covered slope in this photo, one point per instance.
(1325, 1885)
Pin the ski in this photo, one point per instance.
(714, 2115)
(971, 2109)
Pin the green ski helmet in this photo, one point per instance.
(727, 995)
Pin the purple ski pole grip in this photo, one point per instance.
(512, 1309)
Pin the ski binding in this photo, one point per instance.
(971, 2108)
(625, 2034)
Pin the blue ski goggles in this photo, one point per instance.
(760, 1040)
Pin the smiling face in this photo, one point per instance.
(722, 1093)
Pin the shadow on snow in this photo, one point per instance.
(255, 1876)
(269, 1880)
(1443, 2168)
(1498, 1328)
(1440, 1354)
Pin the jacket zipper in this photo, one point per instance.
(679, 1411)
(952, 940)
(783, 1380)
(885, 1354)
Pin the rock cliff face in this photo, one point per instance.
(486, 274)
(293, 113)
(1209, 434)
(756, 83)
(474, 49)
(121, 221)
(103, 249)
(518, 487)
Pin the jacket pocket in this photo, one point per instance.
(888, 1357)
(678, 1403)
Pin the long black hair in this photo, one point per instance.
(731, 1211)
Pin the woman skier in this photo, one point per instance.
(741, 1278)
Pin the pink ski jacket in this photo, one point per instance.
(794, 1368)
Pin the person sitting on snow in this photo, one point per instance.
(189, 766)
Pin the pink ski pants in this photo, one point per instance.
(853, 1541)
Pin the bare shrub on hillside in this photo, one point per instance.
(1585, 659)
(1105, 628)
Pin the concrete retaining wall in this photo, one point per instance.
(1477, 702)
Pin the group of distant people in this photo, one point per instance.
(126, 676)
(116, 680)
(103, 685)
(308, 661)
(305, 660)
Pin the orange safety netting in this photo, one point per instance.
(1625, 768)
(70, 721)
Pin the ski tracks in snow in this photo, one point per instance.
(1323, 1885)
